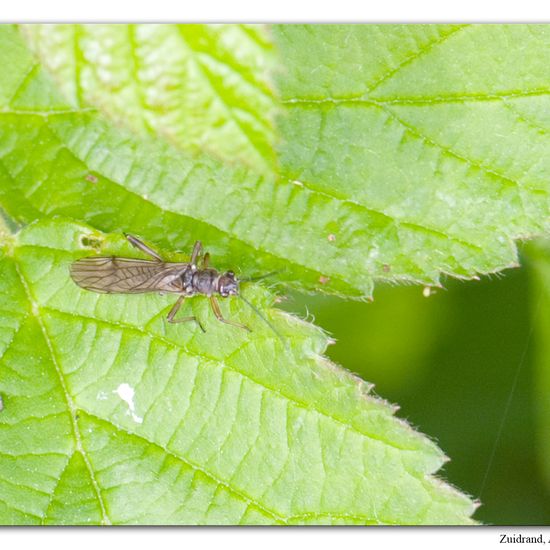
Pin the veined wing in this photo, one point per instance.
(125, 275)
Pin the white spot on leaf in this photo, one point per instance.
(126, 393)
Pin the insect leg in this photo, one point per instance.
(219, 316)
(196, 251)
(205, 260)
(176, 307)
(134, 241)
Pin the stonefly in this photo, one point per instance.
(131, 276)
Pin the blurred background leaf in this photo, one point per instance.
(201, 87)
(539, 261)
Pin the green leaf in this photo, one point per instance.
(408, 150)
(438, 134)
(200, 87)
(113, 415)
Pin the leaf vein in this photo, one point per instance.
(240, 494)
(35, 308)
(58, 481)
(228, 108)
(448, 150)
(224, 364)
(415, 56)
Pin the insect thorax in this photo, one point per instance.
(205, 281)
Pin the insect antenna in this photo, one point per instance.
(264, 319)
(260, 277)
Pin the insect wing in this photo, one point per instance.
(128, 276)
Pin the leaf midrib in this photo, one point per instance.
(366, 99)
